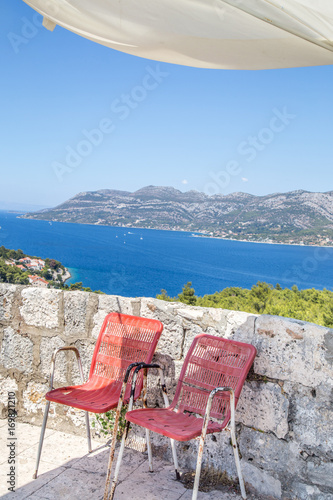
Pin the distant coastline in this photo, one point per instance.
(264, 242)
(199, 234)
(294, 218)
(67, 275)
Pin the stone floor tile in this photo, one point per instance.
(144, 490)
(73, 484)
(98, 460)
(211, 495)
(163, 475)
(27, 436)
(60, 448)
(26, 486)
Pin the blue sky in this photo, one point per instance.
(77, 116)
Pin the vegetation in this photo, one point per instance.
(79, 286)
(53, 271)
(315, 306)
(9, 274)
(104, 422)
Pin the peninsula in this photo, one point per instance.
(297, 217)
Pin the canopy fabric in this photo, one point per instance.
(225, 34)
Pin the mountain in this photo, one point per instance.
(294, 217)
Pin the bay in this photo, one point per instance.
(140, 262)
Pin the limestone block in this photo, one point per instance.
(75, 307)
(7, 384)
(261, 482)
(34, 400)
(192, 314)
(215, 317)
(154, 392)
(264, 407)
(239, 325)
(170, 342)
(86, 349)
(76, 416)
(328, 346)
(220, 323)
(321, 474)
(204, 317)
(218, 452)
(303, 491)
(16, 351)
(108, 304)
(7, 294)
(47, 347)
(311, 419)
(171, 339)
(273, 455)
(291, 350)
(190, 333)
(41, 307)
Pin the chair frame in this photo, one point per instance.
(145, 367)
(212, 394)
(121, 398)
(47, 406)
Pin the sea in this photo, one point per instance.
(141, 262)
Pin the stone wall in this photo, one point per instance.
(285, 411)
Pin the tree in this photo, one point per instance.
(328, 318)
(187, 296)
(260, 294)
(164, 296)
(76, 286)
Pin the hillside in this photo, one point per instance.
(295, 217)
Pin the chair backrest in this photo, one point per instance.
(123, 340)
(212, 362)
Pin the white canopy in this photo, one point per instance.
(227, 34)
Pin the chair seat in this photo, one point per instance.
(87, 396)
(175, 425)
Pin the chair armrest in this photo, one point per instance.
(213, 394)
(53, 359)
(209, 407)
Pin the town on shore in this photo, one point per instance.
(17, 267)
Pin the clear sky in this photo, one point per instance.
(77, 116)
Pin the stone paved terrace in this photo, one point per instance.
(67, 471)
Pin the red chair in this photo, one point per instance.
(209, 387)
(123, 343)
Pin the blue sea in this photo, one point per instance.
(140, 262)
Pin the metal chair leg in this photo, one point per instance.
(150, 455)
(118, 464)
(238, 466)
(234, 444)
(115, 431)
(175, 460)
(41, 439)
(113, 446)
(88, 431)
(199, 462)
